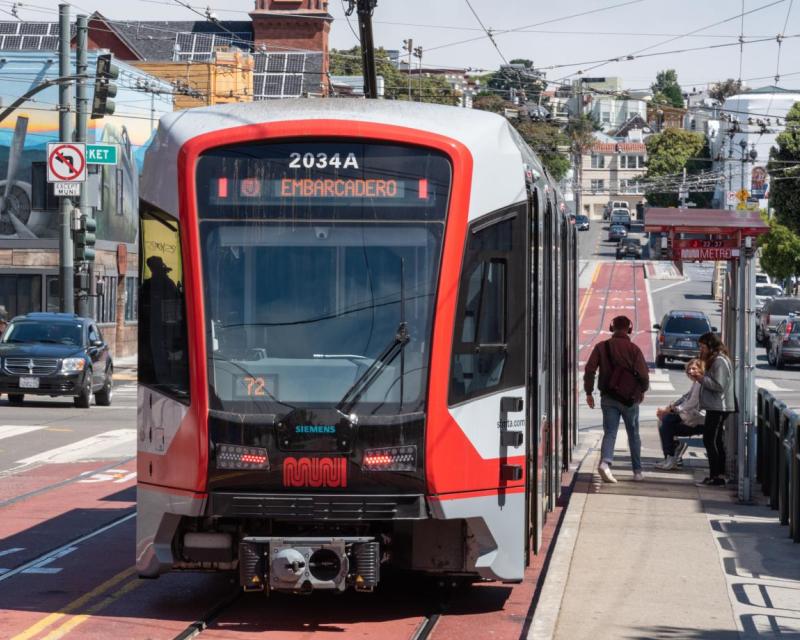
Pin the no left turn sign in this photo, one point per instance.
(66, 162)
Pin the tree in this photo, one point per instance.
(666, 89)
(546, 139)
(517, 80)
(396, 84)
(721, 90)
(668, 153)
(784, 172)
(780, 251)
(491, 102)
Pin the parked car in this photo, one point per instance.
(678, 334)
(784, 343)
(763, 278)
(55, 354)
(621, 216)
(765, 292)
(772, 314)
(617, 232)
(582, 222)
(629, 248)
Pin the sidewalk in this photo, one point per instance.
(664, 558)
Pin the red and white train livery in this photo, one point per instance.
(356, 344)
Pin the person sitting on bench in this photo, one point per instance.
(680, 418)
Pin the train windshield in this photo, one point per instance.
(320, 262)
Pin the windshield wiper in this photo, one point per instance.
(374, 370)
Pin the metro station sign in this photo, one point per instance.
(703, 253)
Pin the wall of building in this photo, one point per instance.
(29, 233)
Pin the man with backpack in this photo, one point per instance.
(622, 381)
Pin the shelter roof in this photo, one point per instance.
(716, 221)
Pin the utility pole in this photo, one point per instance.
(81, 113)
(66, 269)
(418, 54)
(408, 45)
(365, 9)
(579, 156)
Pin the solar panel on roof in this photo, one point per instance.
(31, 42)
(293, 86)
(295, 62)
(12, 42)
(33, 28)
(276, 62)
(49, 42)
(8, 27)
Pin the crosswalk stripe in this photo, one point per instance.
(769, 385)
(661, 386)
(11, 430)
(99, 446)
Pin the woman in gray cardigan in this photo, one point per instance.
(716, 397)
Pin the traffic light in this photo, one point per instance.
(84, 240)
(103, 87)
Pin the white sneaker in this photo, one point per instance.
(605, 473)
(667, 464)
(638, 476)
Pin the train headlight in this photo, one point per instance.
(234, 456)
(390, 459)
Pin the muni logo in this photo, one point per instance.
(315, 472)
(315, 428)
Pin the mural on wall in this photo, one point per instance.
(27, 208)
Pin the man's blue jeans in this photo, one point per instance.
(613, 410)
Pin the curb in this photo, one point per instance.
(555, 583)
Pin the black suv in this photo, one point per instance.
(55, 354)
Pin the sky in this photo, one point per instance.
(554, 35)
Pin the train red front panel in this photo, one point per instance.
(453, 465)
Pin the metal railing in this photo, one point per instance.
(778, 458)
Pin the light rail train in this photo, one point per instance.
(357, 342)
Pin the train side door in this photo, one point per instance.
(488, 387)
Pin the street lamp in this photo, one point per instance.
(747, 157)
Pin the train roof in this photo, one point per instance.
(496, 148)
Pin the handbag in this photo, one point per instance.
(623, 384)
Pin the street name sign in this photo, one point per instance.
(67, 189)
(102, 153)
(66, 162)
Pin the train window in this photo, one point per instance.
(163, 352)
(489, 345)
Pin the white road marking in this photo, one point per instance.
(98, 446)
(41, 566)
(11, 430)
(769, 385)
(37, 561)
(661, 386)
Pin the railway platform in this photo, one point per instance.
(661, 558)
(664, 558)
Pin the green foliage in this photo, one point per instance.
(666, 89)
(520, 81)
(668, 153)
(545, 139)
(784, 171)
(780, 251)
(580, 132)
(396, 84)
(724, 89)
(491, 102)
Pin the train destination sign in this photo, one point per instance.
(254, 190)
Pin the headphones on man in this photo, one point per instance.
(620, 321)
